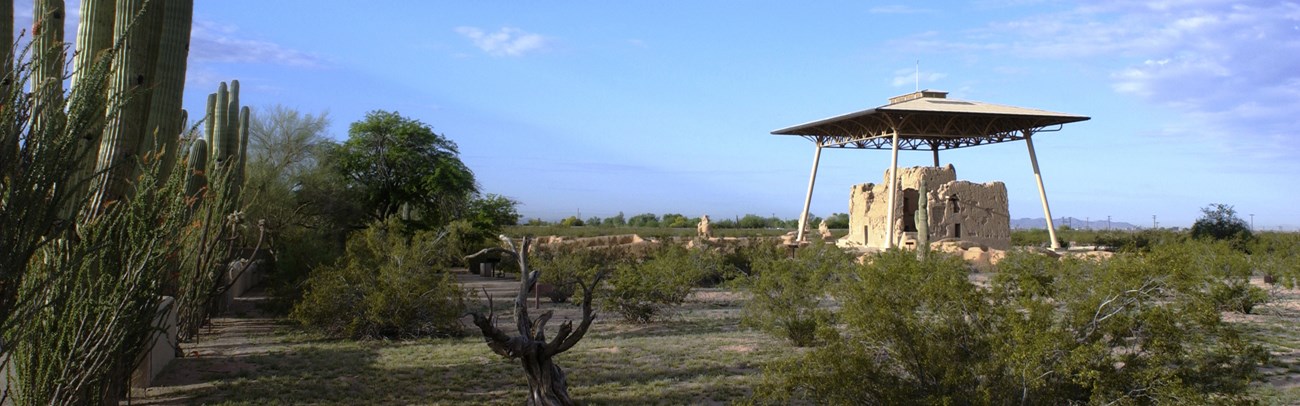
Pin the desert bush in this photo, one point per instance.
(786, 293)
(1277, 255)
(1213, 270)
(387, 284)
(644, 291)
(1042, 332)
(563, 267)
(742, 256)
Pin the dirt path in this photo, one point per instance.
(217, 354)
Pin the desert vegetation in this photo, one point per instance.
(1143, 327)
(119, 210)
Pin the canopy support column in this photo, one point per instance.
(935, 147)
(893, 188)
(1042, 193)
(807, 201)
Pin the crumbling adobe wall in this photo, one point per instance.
(981, 209)
(868, 203)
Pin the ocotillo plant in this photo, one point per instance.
(103, 271)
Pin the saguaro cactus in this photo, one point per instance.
(227, 126)
(148, 80)
(169, 74)
(196, 167)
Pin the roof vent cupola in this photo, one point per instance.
(924, 94)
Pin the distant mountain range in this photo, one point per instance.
(1078, 224)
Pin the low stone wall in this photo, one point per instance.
(163, 349)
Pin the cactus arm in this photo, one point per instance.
(219, 129)
(94, 35)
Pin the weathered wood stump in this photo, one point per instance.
(546, 381)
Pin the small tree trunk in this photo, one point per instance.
(547, 385)
(546, 381)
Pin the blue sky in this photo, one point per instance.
(638, 106)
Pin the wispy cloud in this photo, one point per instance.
(1231, 67)
(212, 42)
(897, 9)
(507, 41)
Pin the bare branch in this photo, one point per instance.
(588, 315)
(539, 327)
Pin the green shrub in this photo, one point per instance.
(645, 291)
(1277, 255)
(386, 285)
(563, 267)
(1237, 296)
(1043, 331)
(296, 252)
(786, 293)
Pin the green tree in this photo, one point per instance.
(752, 221)
(616, 221)
(1220, 222)
(644, 220)
(290, 187)
(401, 166)
(838, 220)
(675, 220)
(284, 142)
(492, 211)
(571, 221)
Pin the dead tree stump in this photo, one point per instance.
(546, 381)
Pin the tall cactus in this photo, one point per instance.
(6, 46)
(169, 74)
(94, 35)
(124, 132)
(220, 131)
(242, 163)
(47, 77)
(923, 220)
(196, 166)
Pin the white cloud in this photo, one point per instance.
(897, 9)
(211, 42)
(1231, 67)
(507, 41)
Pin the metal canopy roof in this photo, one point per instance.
(928, 120)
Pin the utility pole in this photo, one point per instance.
(1107, 223)
(1087, 222)
(1252, 223)
(1154, 224)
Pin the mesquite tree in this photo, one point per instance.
(546, 381)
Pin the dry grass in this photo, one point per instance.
(701, 357)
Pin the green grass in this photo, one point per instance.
(700, 357)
